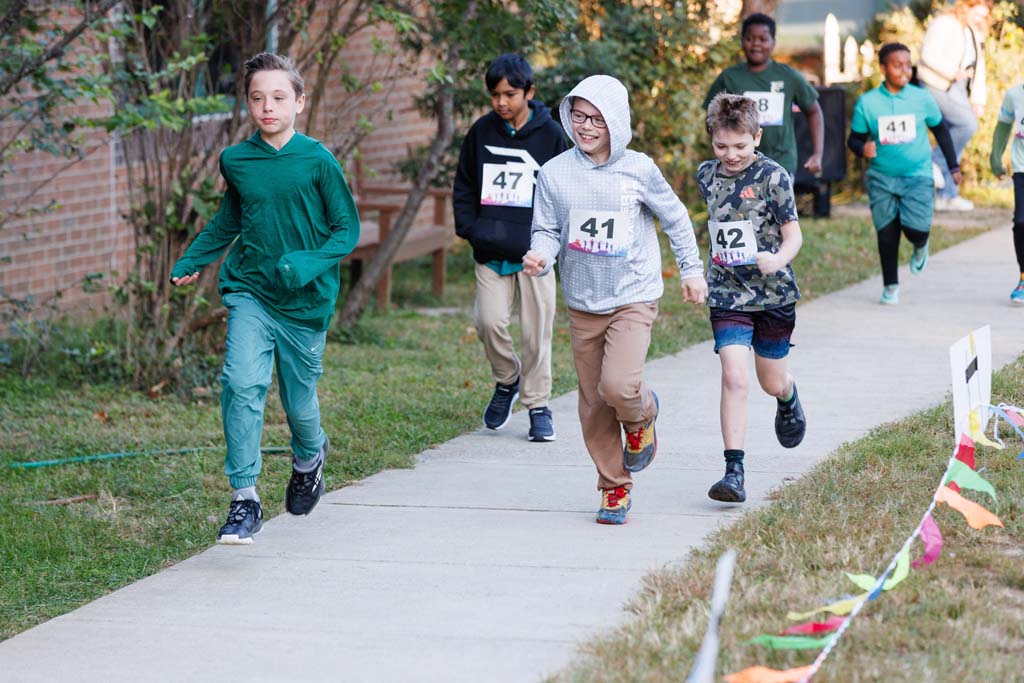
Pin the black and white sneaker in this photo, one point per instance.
(305, 488)
(245, 519)
(541, 427)
(499, 410)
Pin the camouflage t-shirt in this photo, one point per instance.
(762, 194)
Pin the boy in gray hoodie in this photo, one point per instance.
(594, 210)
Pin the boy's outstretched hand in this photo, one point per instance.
(870, 150)
(695, 289)
(186, 280)
(534, 262)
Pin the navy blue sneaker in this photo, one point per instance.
(305, 488)
(541, 427)
(245, 519)
(499, 410)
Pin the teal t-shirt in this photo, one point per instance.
(289, 218)
(775, 90)
(898, 123)
(1012, 111)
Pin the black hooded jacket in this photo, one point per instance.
(495, 229)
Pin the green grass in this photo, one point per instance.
(959, 619)
(401, 382)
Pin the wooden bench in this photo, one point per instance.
(378, 206)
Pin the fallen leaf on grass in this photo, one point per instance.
(155, 390)
(102, 416)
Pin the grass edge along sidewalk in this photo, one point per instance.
(958, 619)
(73, 533)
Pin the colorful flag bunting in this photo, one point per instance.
(790, 642)
(977, 516)
(841, 607)
(932, 538)
(977, 427)
(762, 674)
(968, 478)
(1015, 417)
(813, 627)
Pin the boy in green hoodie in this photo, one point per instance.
(291, 218)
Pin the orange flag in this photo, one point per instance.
(977, 516)
(762, 674)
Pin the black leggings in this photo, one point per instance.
(889, 248)
(1018, 218)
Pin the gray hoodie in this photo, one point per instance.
(598, 219)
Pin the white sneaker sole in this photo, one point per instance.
(548, 439)
(233, 539)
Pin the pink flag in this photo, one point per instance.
(1015, 417)
(932, 538)
(813, 627)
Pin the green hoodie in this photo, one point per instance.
(294, 219)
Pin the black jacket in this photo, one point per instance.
(502, 232)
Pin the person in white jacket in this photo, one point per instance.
(952, 68)
(594, 213)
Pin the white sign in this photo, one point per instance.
(770, 106)
(970, 360)
(733, 243)
(897, 130)
(601, 233)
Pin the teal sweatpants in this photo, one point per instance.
(255, 341)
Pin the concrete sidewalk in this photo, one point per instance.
(484, 564)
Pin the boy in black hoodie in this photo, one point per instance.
(493, 199)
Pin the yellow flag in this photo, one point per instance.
(841, 607)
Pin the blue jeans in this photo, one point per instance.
(963, 124)
(257, 342)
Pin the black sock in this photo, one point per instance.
(733, 455)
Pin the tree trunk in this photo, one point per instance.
(359, 296)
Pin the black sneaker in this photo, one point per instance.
(499, 410)
(730, 488)
(305, 488)
(541, 427)
(245, 519)
(790, 422)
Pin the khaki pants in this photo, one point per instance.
(495, 296)
(609, 352)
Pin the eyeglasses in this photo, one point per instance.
(579, 117)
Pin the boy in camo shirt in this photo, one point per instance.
(752, 291)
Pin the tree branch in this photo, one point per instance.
(56, 50)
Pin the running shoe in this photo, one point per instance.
(499, 410)
(615, 503)
(245, 519)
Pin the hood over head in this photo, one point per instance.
(611, 99)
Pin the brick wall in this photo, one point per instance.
(87, 234)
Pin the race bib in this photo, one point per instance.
(509, 184)
(770, 106)
(897, 130)
(733, 243)
(601, 233)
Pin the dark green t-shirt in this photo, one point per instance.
(294, 219)
(775, 90)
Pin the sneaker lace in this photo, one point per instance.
(788, 413)
(634, 439)
(303, 483)
(238, 511)
(615, 495)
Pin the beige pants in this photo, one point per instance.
(495, 296)
(609, 352)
